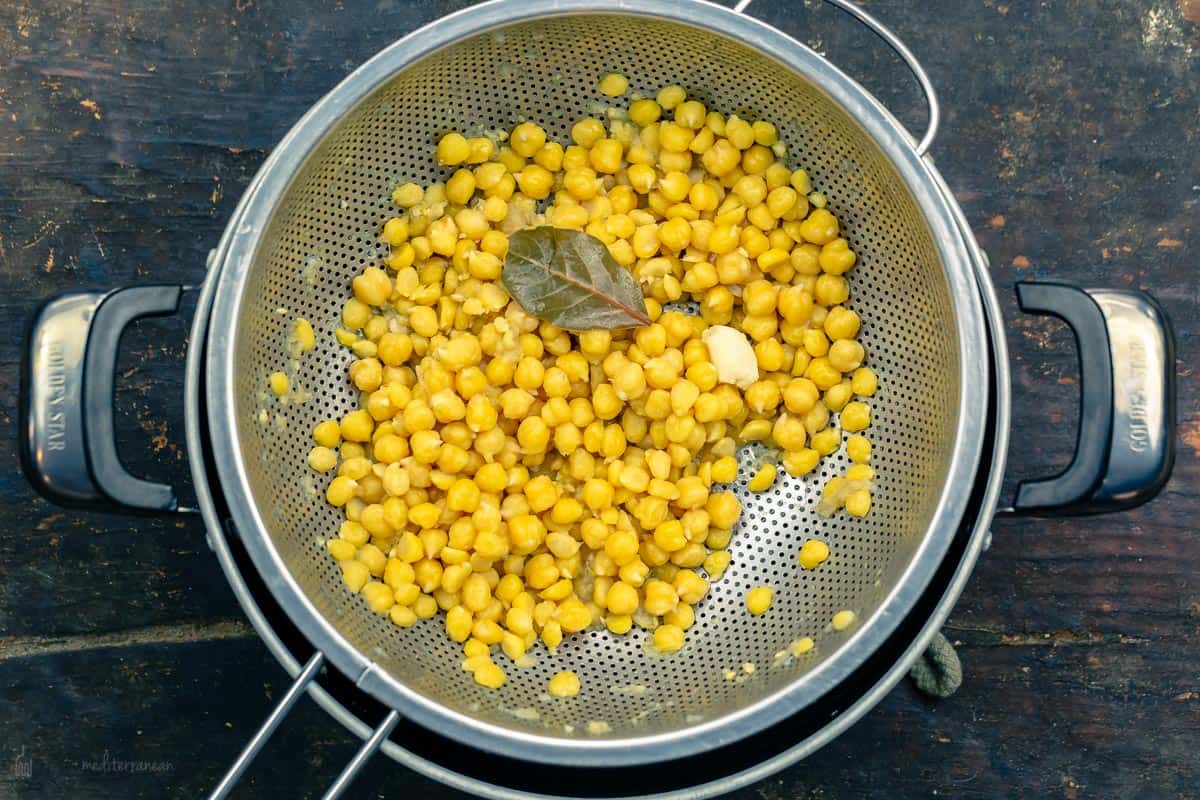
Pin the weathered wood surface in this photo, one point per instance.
(128, 130)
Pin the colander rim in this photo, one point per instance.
(271, 187)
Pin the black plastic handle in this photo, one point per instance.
(1125, 446)
(69, 449)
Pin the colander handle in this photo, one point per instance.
(307, 675)
(1125, 446)
(901, 49)
(68, 444)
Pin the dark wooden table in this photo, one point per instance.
(129, 128)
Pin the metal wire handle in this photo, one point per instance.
(906, 55)
(281, 710)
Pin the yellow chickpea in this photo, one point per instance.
(703, 196)
(724, 509)
(614, 84)
(758, 600)
(763, 479)
(836, 257)
(820, 228)
(831, 290)
(756, 159)
(644, 112)
(763, 396)
(826, 441)
(841, 323)
(863, 382)
(815, 342)
(533, 435)
(858, 503)
(535, 181)
(760, 328)
(843, 619)
(407, 195)
(846, 355)
(822, 373)
(813, 553)
(395, 231)
(605, 156)
(751, 189)
(279, 383)
(675, 234)
(372, 287)
(800, 462)
(781, 200)
(423, 320)
(856, 416)
(760, 297)
(482, 149)
(675, 186)
(460, 187)
(564, 684)
(837, 396)
(739, 132)
(526, 139)
(452, 149)
(721, 158)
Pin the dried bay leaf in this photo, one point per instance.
(569, 279)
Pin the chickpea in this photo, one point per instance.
(605, 156)
(864, 383)
(841, 323)
(820, 228)
(836, 257)
(527, 138)
(831, 290)
(452, 149)
(645, 112)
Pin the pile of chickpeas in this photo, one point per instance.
(532, 482)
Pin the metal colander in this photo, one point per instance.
(311, 223)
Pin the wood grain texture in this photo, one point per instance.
(128, 130)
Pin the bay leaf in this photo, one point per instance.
(569, 279)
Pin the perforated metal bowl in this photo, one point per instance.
(312, 224)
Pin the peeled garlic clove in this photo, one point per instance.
(732, 354)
